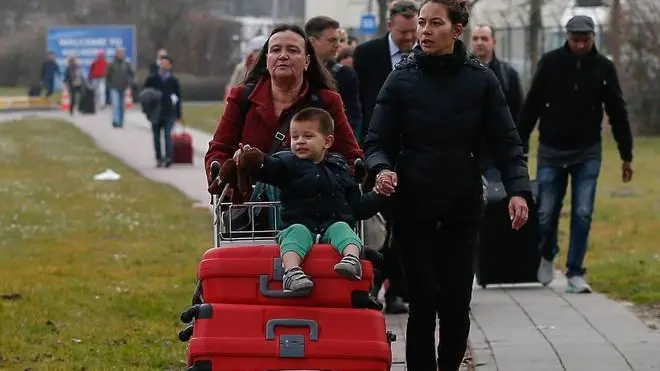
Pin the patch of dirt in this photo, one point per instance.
(649, 314)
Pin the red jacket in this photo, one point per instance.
(98, 68)
(261, 124)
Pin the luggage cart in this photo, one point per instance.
(225, 236)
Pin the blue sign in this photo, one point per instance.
(368, 24)
(85, 42)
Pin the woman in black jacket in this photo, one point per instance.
(431, 117)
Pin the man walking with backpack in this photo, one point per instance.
(118, 78)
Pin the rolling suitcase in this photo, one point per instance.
(506, 256)
(87, 103)
(253, 275)
(182, 147)
(228, 337)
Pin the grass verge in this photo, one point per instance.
(93, 275)
(204, 117)
(623, 259)
(13, 91)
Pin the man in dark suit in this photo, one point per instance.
(323, 32)
(373, 61)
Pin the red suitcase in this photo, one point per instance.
(182, 148)
(230, 337)
(253, 275)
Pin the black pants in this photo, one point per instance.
(391, 269)
(74, 97)
(438, 268)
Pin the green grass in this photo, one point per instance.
(13, 91)
(623, 260)
(204, 117)
(93, 275)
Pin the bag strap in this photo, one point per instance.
(245, 103)
(314, 100)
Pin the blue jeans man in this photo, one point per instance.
(553, 183)
(163, 127)
(117, 101)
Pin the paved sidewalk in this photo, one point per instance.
(514, 328)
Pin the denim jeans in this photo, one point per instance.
(117, 101)
(163, 126)
(99, 91)
(553, 181)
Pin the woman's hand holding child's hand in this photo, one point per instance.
(386, 182)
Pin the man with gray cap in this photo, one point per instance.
(567, 94)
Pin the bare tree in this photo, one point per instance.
(382, 16)
(535, 31)
(639, 65)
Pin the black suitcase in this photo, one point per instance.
(87, 103)
(506, 256)
(34, 90)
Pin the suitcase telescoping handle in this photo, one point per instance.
(278, 275)
(265, 291)
(292, 322)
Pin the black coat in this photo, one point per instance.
(509, 81)
(568, 96)
(317, 196)
(348, 86)
(372, 62)
(168, 87)
(430, 120)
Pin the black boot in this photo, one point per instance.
(395, 305)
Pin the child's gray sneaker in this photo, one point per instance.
(296, 280)
(349, 267)
(578, 285)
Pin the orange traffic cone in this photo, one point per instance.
(65, 101)
(128, 98)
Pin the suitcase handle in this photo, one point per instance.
(292, 322)
(265, 291)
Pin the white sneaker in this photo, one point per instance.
(546, 272)
(578, 285)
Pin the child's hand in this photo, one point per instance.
(251, 158)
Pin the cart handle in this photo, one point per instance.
(215, 169)
(359, 169)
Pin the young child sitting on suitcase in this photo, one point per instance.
(319, 197)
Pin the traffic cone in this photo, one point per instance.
(65, 101)
(128, 98)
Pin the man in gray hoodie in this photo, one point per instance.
(118, 78)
